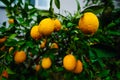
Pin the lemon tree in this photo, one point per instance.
(44, 45)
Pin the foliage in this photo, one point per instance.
(99, 53)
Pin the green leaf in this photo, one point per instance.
(78, 5)
(70, 24)
(118, 75)
(20, 20)
(94, 9)
(21, 42)
(59, 69)
(111, 25)
(11, 1)
(114, 33)
(30, 44)
(108, 78)
(104, 73)
(101, 63)
(4, 23)
(10, 71)
(95, 1)
(3, 78)
(57, 3)
(2, 30)
(6, 2)
(92, 56)
(104, 52)
(12, 36)
(76, 38)
(1, 56)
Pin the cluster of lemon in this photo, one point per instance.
(88, 24)
(20, 57)
(69, 62)
(45, 28)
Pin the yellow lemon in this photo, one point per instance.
(35, 33)
(11, 21)
(46, 26)
(3, 39)
(37, 67)
(54, 45)
(20, 57)
(46, 63)
(88, 23)
(43, 43)
(57, 25)
(69, 62)
(79, 67)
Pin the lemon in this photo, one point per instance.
(43, 43)
(46, 26)
(46, 63)
(79, 67)
(3, 39)
(69, 62)
(88, 23)
(57, 25)
(54, 45)
(37, 67)
(35, 33)
(20, 57)
(11, 21)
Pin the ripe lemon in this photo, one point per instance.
(46, 26)
(79, 67)
(37, 67)
(20, 56)
(88, 23)
(11, 21)
(57, 25)
(2, 40)
(43, 43)
(69, 62)
(54, 45)
(35, 33)
(46, 63)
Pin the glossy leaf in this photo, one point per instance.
(94, 9)
(78, 5)
(57, 3)
(9, 71)
(104, 53)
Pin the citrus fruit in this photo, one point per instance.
(79, 67)
(69, 62)
(20, 56)
(54, 45)
(2, 48)
(46, 26)
(88, 23)
(35, 33)
(43, 43)
(11, 21)
(46, 63)
(10, 49)
(3, 39)
(5, 74)
(57, 25)
(37, 67)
